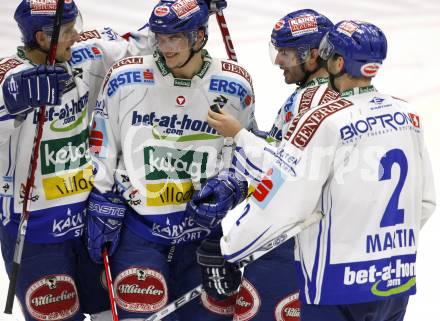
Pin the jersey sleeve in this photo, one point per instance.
(289, 191)
(8, 123)
(428, 188)
(105, 144)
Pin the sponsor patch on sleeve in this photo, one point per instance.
(8, 65)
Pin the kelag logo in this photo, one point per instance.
(164, 162)
(64, 153)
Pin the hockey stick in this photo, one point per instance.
(19, 243)
(229, 46)
(267, 247)
(111, 291)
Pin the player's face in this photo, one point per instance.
(69, 34)
(175, 48)
(286, 60)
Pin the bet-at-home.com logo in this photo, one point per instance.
(164, 162)
(64, 153)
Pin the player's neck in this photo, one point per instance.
(321, 72)
(348, 82)
(191, 68)
(36, 56)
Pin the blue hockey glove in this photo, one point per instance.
(34, 87)
(216, 197)
(220, 279)
(215, 6)
(104, 221)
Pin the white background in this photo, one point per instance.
(411, 71)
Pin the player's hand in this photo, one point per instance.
(220, 279)
(105, 214)
(216, 197)
(34, 87)
(215, 6)
(223, 122)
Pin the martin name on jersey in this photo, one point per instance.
(159, 124)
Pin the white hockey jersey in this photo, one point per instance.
(63, 174)
(152, 127)
(360, 160)
(249, 155)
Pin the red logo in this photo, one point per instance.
(278, 25)
(248, 100)
(370, 69)
(288, 116)
(8, 65)
(264, 187)
(96, 51)
(248, 302)
(180, 101)
(184, 8)
(161, 11)
(303, 25)
(224, 307)
(148, 74)
(415, 120)
(141, 290)
(288, 309)
(96, 139)
(91, 34)
(53, 297)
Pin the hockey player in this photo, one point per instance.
(269, 289)
(361, 161)
(154, 144)
(57, 280)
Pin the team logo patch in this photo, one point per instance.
(180, 101)
(303, 25)
(184, 8)
(161, 11)
(370, 69)
(348, 28)
(248, 302)
(120, 63)
(288, 309)
(236, 69)
(141, 290)
(53, 297)
(278, 25)
(224, 307)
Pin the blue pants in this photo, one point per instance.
(269, 289)
(56, 281)
(387, 310)
(148, 275)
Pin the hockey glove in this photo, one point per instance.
(215, 6)
(220, 279)
(104, 221)
(34, 87)
(216, 197)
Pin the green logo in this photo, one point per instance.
(396, 290)
(64, 153)
(164, 162)
(182, 82)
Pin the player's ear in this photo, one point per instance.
(42, 39)
(200, 37)
(313, 59)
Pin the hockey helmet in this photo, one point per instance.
(183, 17)
(362, 45)
(301, 30)
(38, 15)
(176, 16)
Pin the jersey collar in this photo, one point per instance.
(358, 91)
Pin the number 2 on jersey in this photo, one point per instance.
(393, 215)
